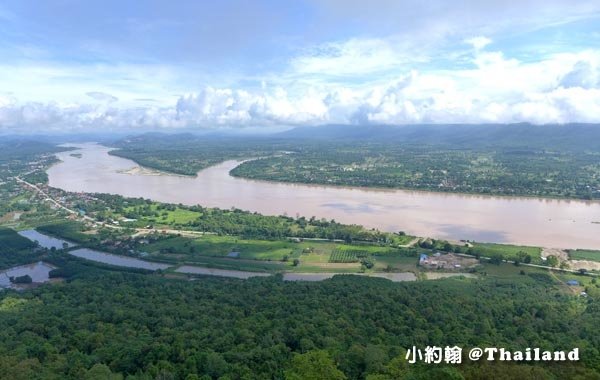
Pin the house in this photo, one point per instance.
(573, 283)
(233, 254)
(423, 258)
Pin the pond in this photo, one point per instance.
(121, 261)
(45, 240)
(39, 273)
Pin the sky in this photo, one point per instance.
(109, 65)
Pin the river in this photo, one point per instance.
(518, 220)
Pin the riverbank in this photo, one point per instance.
(521, 221)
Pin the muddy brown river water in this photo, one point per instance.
(518, 220)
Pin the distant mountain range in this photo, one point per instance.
(572, 136)
(511, 136)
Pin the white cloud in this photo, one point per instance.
(478, 42)
(584, 74)
(560, 88)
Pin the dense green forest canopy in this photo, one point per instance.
(19, 149)
(15, 249)
(147, 327)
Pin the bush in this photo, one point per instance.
(26, 279)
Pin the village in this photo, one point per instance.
(446, 261)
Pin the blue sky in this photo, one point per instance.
(141, 65)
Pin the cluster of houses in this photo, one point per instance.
(441, 261)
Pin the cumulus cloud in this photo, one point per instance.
(237, 107)
(584, 74)
(560, 88)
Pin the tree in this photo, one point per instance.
(26, 279)
(367, 262)
(496, 259)
(215, 365)
(296, 262)
(101, 372)
(552, 261)
(313, 365)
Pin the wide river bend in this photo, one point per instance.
(528, 221)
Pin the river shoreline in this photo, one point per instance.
(533, 221)
(350, 187)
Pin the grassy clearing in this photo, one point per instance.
(212, 245)
(584, 254)
(396, 263)
(508, 251)
(178, 216)
(237, 264)
(274, 255)
(513, 272)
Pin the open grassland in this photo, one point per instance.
(508, 252)
(275, 255)
(584, 254)
(214, 245)
(154, 214)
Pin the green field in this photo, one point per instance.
(275, 255)
(238, 264)
(508, 251)
(154, 214)
(214, 245)
(584, 254)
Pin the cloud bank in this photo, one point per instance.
(229, 64)
(562, 88)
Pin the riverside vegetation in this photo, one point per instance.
(104, 322)
(524, 160)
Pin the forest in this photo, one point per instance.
(96, 321)
(15, 249)
(109, 325)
